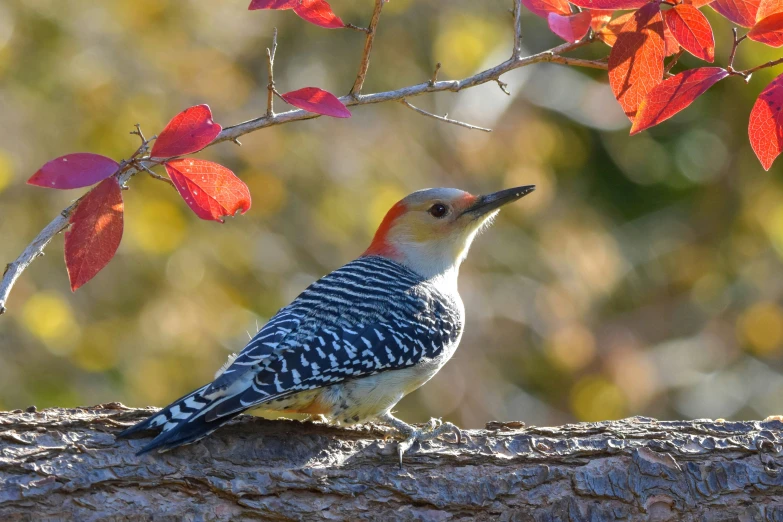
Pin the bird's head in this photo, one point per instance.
(431, 230)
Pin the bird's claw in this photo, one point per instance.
(432, 430)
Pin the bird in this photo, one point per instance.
(358, 340)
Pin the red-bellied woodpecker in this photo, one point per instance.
(358, 340)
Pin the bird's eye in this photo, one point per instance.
(438, 210)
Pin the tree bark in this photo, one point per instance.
(65, 464)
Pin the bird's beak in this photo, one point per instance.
(489, 202)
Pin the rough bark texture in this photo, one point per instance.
(64, 464)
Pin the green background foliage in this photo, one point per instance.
(642, 277)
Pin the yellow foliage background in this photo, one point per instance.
(643, 277)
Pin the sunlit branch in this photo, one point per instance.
(368, 41)
(445, 118)
(130, 167)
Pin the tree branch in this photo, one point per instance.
(64, 464)
(445, 118)
(127, 170)
(368, 41)
(270, 86)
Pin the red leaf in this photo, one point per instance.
(313, 99)
(272, 4)
(636, 60)
(768, 8)
(189, 131)
(318, 12)
(697, 3)
(741, 12)
(766, 123)
(74, 171)
(692, 30)
(600, 17)
(769, 30)
(570, 28)
(95, 232)
(542, 8)
(610, 4)
(675, 94)
(210, 190)
(670, 42)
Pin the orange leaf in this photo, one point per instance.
(570, 28)
(741, 12)
(610, 4)
(608, 34)
(542, 8)
(600, 17)
(692, 30)
(95, 232)
(768, 8)
(675, 94)
(636, 60)
(697, 3)
(769, 30)
(210, 190)
(765, 128)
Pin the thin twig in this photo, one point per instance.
(435, 74)
(579, 62)
(445, 118)
(516, 52)
(127, 170)
(154, 174)
(270, 65)
(368, 41)
(737, 41)
(673, 61)
(748, 72)
(503, 87)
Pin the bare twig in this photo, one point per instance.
(737, 41)
(445, 118)
(368, 41)
(503, 87)
(435, 74)
(270, 86)
(673, 61)
(579, 62)
(516, 52)
(128, 168)
(747, 72)
(154, 174)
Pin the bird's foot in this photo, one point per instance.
(432, 430)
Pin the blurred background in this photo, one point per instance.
(643, 277)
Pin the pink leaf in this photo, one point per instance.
(272, 4)
(570, 28)
(318, 12)
(741, 12)
(636, 59)
(210, 190)
(610, 4)
(189, 131)
(769, 30)
(765, 128)
(95, 232)
(692, 30)
(675, 94)
(74, 171)
(317, 100)
(542, 8)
